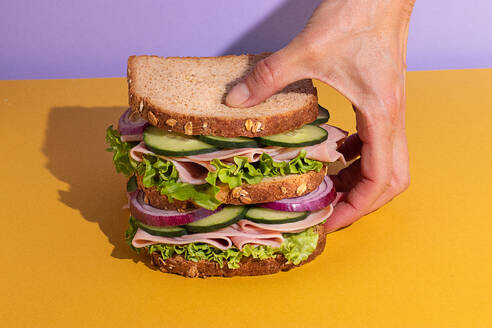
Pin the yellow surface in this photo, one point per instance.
(422, 261)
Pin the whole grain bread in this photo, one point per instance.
(247, 267)
(186, 95)
(272, 189)
(268, 190)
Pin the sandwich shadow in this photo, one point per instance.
(75, 148)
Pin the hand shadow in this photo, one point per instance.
(75, 147)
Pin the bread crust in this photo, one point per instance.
(272, 189)
(155, 199)
(247, 267)
(269, 190)
(223, 126)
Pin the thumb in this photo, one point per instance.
(269, 75)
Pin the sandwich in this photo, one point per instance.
(221, 191)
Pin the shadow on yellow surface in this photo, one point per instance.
(75, 148)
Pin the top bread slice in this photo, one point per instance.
(186, 95)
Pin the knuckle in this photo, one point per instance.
(264, 74)
(400, 184)
(403, 183)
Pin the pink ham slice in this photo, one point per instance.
(216, 239)
(222, 239)
(188, 170)
(312, 220)
(197, 166)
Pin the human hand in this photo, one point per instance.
(358, 47)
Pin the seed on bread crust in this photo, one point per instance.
(301, 189)
(257, 127)
(171, 122)
(244, 197)
(152, 118)
(140, 107)
(248, 124)
(236, 192)
(188, 128)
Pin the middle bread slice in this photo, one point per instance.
(270, 189)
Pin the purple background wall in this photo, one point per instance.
(73, 38)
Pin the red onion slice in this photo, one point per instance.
(157, 217)
(131, 123)
(314, 201)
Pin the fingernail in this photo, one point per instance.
(238, 95)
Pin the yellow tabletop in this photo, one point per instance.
(424, 260)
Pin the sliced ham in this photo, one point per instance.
(188, 170)
(143, 239)
(138, 151)
(253, 154)
(312, 220)
(222, 239)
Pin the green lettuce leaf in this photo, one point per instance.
(200, 251)
(163, 175)
(121, 159)
(234, 174)
(244, 172)
(298, 246)
(155, 171)
(203, 195)
(261, 252)
(130, 233)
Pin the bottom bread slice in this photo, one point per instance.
(247, 267)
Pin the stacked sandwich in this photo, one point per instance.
(221, 191)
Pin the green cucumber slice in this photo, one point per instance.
(266, 215)
(323, 116)
(168, 143)
(221, 219)
(222, 142)
(174, 231)
(308, 135)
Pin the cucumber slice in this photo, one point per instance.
(168, 143)
(225, 217)
(222, 142)
(308, 135)
(323, 116)
(266, 215)
(174, 231)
